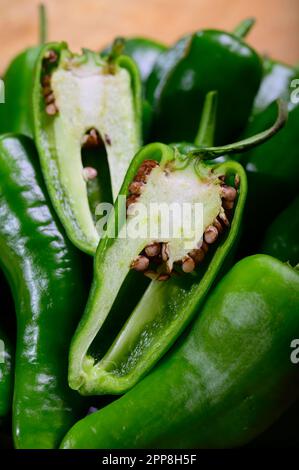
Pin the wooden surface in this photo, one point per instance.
(93, 23)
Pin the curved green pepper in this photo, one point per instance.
(85, 105)
(45, 276)
(6, 374)
(226, 382)
(281, 238)
(183, 75)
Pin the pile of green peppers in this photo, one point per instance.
(193, 347)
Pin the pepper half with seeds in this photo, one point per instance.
(119, 339)
(87, 115)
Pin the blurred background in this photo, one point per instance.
(93, 23)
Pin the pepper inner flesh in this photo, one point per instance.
(160, 184)
(81, 97)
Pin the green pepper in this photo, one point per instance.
(87, 112)
(273, 167)
(225, 383)
(281, 238)
(16, 112)
(143, 51)
(184, 74)
(6, 374)
(111, 351)
(45, 275)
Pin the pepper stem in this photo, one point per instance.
(206, 131)
(243, 28)
(43, 24)
(209, 153)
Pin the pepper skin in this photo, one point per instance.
(225, 383)
(281, 238)
(44, 273)
(183, 75)
(6, 374)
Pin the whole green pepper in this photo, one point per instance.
(281, 238)
(111, 351)
(184, 74)
(6, 374)
(45, 276)
(225, 383)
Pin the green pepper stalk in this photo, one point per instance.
(6, 374)
(45, 276)
(184, 74)
(227, 382)
(111, 352)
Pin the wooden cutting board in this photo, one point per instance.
(94, 23)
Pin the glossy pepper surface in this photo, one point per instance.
(184, 74)
(6, 374)
(219, 387)
(281, 238)
(44, 273)
(87, 118)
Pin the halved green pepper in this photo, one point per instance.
(115, 346)
(143, 51)
(229, 380)
(85, 106)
